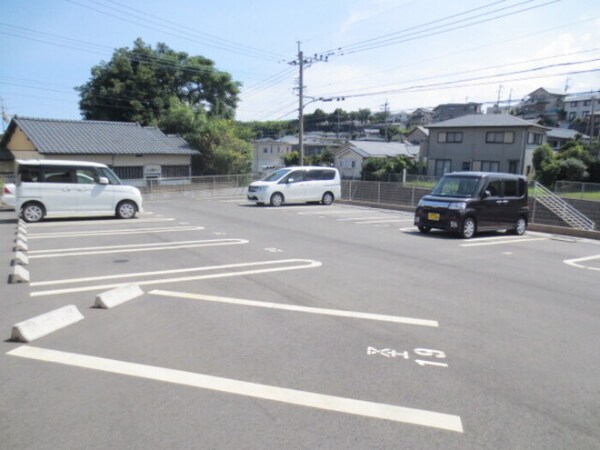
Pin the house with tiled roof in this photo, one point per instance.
(133, 151)
(482, 142)
(543, 103)
(349, 158)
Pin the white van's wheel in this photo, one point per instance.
(32, 212)
(276, 199)
(469, 227)
(327, 198)
(126, 210)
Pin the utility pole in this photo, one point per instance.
(4, 117)
(301, 105)
(498, 101)
(301, 61)
(591, 121)
(385, 119)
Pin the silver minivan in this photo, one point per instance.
(297, 185)
(56, 188)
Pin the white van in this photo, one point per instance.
(297, 185)
(55, 188)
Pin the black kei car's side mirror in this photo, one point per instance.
(486, 194)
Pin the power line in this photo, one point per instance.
(83, 44)
(457, 83)
(480, 69)
(385, 41)
(204, 41)
(443, 19)
(199, 33)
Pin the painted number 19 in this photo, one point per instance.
(427, 352)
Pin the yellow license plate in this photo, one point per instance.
(433, 216)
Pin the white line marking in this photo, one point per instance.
(348, 219)
(326, 212)
(262, 391)
(502, 237)
(384, 221)
(305, 309)
(300, 264)
(57, 253)
(298, 208)
(111, 232)
(574, 262)
(512, 241)
(97, 222)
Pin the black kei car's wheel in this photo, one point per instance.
(327, 198)
(469, 228)
(32, 212)
(520, 226)
(276, 199)
(126, 210)
(424, 229)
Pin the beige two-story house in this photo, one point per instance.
(489, 143)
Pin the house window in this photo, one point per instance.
(129, 173)
(442, 166)
(175, 171)
(586, 103)
(499, 137)
(450, 136)
(513, 166)
(574, 104)
(534, 138)
(572, 115)
(265, 150)
(490, 166)
(466, 166)
(585, 114)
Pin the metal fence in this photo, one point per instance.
(574, 189)
(181, 184)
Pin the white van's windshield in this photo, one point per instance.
(457, 186)
(276, 175)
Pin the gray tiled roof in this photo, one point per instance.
(91, 137)
(564, 133)
(382, 149)
(485, 120)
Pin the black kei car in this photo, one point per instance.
(468, 202)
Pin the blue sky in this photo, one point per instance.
(407, 53)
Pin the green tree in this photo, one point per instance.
(574, 149)
(180, 119)
(138, 84)
(572, 169)
(222, 150)
(542, 155)
(325, 158)
(291, 159)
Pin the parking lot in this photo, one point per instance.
(301, 326)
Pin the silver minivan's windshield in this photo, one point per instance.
(276, 175)
(457, 186)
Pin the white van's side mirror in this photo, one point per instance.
(102, 180)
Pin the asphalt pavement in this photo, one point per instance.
(304, 326)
